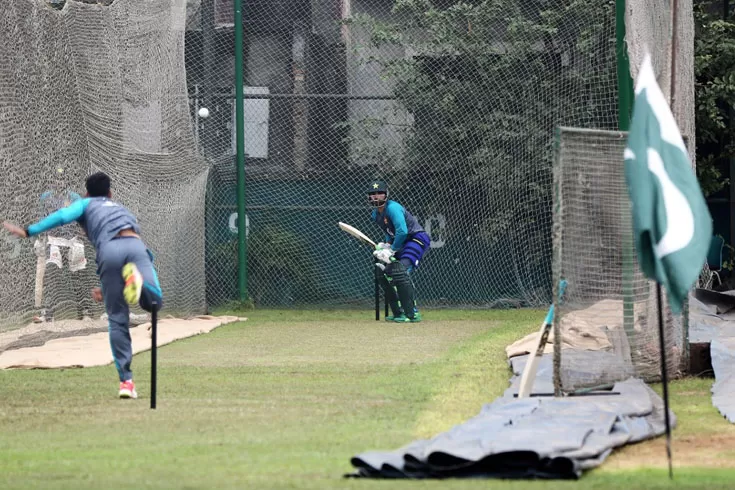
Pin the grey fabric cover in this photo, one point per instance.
(537, 437)
(712, 319)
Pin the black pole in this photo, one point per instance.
(664, 376)
(659, 306)
(154, 352)
(377, 292)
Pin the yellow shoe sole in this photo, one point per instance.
(133, 284)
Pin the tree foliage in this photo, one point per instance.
(486, 82)
(714, 69)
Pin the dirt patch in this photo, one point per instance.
(37, 334)
(40, 338)
(705, 451)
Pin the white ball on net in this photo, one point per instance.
(203, 112)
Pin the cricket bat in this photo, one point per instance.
(529, 372)
(367, 241)
(357, 234)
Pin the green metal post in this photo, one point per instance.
(242, 268)
(625, 106)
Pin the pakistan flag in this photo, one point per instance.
(671, 222)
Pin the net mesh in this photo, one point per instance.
(597, 339)
(649, 29)
(87, 87)
(453, 103)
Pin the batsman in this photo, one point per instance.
(399, 255)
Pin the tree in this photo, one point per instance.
(714, 69)
(487, 83)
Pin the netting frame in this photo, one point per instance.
(114, 100)
(628, 254)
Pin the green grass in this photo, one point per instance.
(285, 399)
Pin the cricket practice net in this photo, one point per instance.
(453, 103)
(83, 88)
(606, 326)
(606, 323)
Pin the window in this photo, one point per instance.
(257, 115)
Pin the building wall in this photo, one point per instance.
(303, 129)
(364, 79)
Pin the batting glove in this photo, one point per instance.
(384, 255)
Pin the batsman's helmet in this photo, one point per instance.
(377, 187)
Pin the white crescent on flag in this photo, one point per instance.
(679, 216)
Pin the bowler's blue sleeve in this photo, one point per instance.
(394, 211)
(61, 217)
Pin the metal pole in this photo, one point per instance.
(196, 118)
(206, 92)
(659, 302)
(664, 377)
(557, 271)
(674, 49)
(625, 106)
(242, 267)
(625, 81)
(685, 363)
(376, 276)
(154, 353)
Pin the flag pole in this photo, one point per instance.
(659, 303)
(664, 375)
